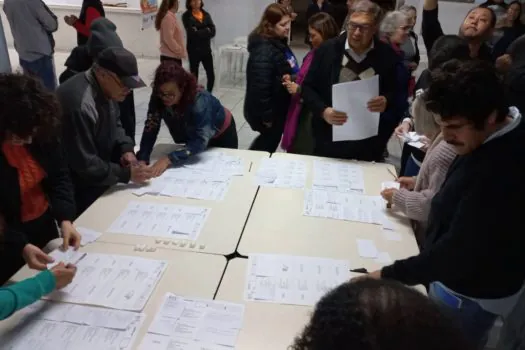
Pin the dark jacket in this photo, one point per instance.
(266, 99)
(324, 73)
(202, 120)
(313, 9)
(198, 34)
(473, 243)
(509, 35)
(92, 134)
(97, 5)
(56, 185)
(515, 77)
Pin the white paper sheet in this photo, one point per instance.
(217, 163)
(69, 256)
(188, 183)
(352, 98)
(160, 342)
(278, 172)
(389, 184)
(339, 177)
(344, 206)
(88, 236)
(367, 248)
(161, 220)
(294, 280)
(45, 327)
(201, 320)
(417, 144)
(114, 281)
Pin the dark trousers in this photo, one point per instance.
(127, 115)
(42, 68)
(37, 232)
(85, 196)
(166, 58)
(206, 58)
(406, 154)
(269, 138)
(228, 139)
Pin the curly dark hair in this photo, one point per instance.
(374, 314)
(28, 109)
(171, 72)
(469, 89)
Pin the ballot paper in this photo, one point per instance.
(161, 220)
(417, 144)
(198, 320)
(69, 256)
(114, 281)
(88, 236)
(160, 342)
(352, 98)
(57, 326)
(294, 280)
(217, 163)
(344, 206)
(279, 172)
(339, 177)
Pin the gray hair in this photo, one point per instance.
(424, 121)
(406, 9)
(391, 22)
(368, 7)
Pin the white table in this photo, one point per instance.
(266, 325)
(187, 274)
(277, 225)
(222, 230)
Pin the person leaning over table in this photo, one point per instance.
(100, 154)
(193, 116)
(36, 192)
(472, 256)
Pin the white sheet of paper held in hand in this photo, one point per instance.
(352, 98)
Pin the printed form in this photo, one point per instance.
(278, 172)
(296, 280)
(338, 177)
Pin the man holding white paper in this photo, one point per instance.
(357, 90)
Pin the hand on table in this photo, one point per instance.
(333, 117)
(70, 235)
(160, 166)
(140, 173)
(35, 258)
(128, 159)
(407, 182)
(388, 194)
(64, 274)
(377, 104)
(70, 20)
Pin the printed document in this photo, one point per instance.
(160, 342)
(339, 177)
(279, 172)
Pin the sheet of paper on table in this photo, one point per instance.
(69, 256)
(161, 220)
(160, 342)
(58, 326)
(297, 280)
(344, 206)
(198, 320)
(352, 98)
(88, 236)
(114, 281)
(284, 173)
(217, 163)
(339, 177)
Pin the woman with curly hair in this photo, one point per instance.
(193, 116)
(368, 314)
(36, 192)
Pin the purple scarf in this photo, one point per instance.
(292, 118)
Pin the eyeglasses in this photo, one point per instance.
(362, 27)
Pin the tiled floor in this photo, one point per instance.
(231, 96)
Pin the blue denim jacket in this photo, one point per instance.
(201, 121)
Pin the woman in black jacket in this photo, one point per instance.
(512, 29)
(36, 192)
(200, 29)
(267, 100)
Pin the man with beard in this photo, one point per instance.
(477, 28)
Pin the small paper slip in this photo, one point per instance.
(417, 144)
(70, 256)
(387, 224)
(411, 136)
(389, 184)
(390, 235)
(367, 248)
(88, 236)
(383, 258)
(352, 98)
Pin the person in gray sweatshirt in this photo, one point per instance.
(32, 24)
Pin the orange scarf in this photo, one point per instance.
(198, 14)
(30, 176)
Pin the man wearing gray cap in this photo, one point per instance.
(100, 154)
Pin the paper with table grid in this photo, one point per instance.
(338, 177)
(284, 173)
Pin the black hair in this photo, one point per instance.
(517, 21)
(374, 314)
(493, 17)
(470, 89)
(28, 108)
(188, 5)
(448, 47)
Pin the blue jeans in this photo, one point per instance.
(475, 322)
(42, 68)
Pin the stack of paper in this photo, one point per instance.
(292, 279)
(344, 206)
(194, 322)
(278, 172)
(115, 281)
(161, 220)
(339, 177)
(55, 326)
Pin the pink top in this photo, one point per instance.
(171, 37)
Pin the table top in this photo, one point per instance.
(277, 226)
(265, 325)
(187, 274)
(222, 229)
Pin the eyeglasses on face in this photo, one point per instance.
(362, 27)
